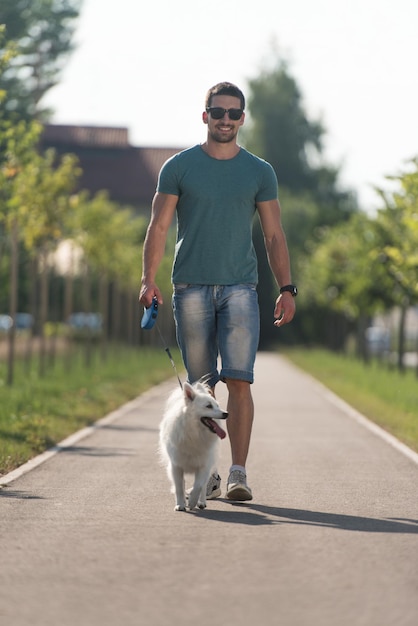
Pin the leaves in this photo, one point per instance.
(40, 32)
(38, 195)
(109, 236)
(397, 228)
(367, 264)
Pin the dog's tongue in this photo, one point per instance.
(215, 428)
(219, 431)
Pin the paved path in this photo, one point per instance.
(90, 537)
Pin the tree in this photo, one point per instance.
(37, 207)
(397, 225)
(19, 143)
(42, 31)
(110, 238)
(343, 275)
(280, 131)
(7, 52)
(366, 265)
(397, 229)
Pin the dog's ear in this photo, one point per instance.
(189, 392)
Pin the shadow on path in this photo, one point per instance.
(99, 451)
(18, 495)
(126, 428)
(260, 515)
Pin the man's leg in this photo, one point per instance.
(195, 319)
(240, 419)
(238, 333)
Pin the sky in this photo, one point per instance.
(148, 65)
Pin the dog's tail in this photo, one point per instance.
(204, 380)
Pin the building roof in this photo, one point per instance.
(92, 136)
(109, 162)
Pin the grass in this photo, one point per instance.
(36, 413)
(387, 397)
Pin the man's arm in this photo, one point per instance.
(278, 257)
(163, 210)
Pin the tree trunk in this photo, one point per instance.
(401, 337)
(68, 309)
(33, 274)
(14, 263)
(103, 308)
(362, 347)
(88, 339)
(43, 312)
(116, 310)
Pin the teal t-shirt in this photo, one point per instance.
(216, 205)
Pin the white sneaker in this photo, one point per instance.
(237, 488)
(213, 488)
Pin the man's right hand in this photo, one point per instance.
(147, 292)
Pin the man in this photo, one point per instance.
(215, 189)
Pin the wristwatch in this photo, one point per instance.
(292, 288)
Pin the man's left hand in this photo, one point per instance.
(285, 308)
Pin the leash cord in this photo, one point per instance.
(167, 349)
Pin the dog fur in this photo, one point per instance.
(189, 446)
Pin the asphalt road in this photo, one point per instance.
(90, 538)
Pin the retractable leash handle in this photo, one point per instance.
(150, 315)
(148, 320)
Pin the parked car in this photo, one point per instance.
(85, 324)
(6, 323)
(24, 321)
(378, 340)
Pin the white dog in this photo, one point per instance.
(189, 441)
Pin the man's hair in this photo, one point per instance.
(224, 89)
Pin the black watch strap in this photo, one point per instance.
(291, 288)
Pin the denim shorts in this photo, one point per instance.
(217, 321)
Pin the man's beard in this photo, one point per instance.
(221, 138)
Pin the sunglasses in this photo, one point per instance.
(218, 112)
